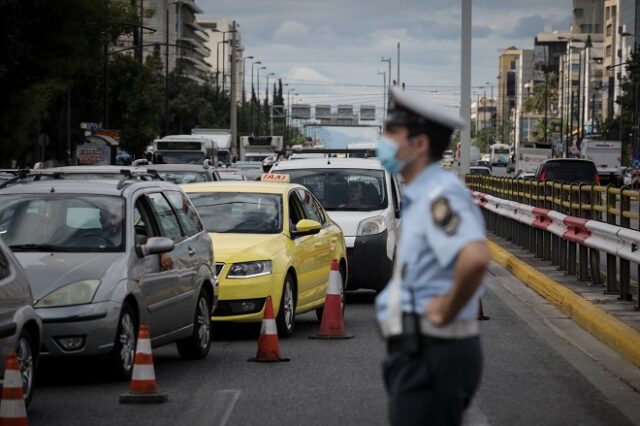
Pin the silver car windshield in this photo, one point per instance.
(344, 189)
(245, 213)
(62, 222)
(180, 178)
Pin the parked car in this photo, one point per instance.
(271, 239)
(476, 170)
(364, 199)
(104, 256)
(20, 326)
(570, 170)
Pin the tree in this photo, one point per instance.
(543, 95)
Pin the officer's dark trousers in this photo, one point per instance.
(435, 386)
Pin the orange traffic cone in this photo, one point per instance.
(268, 346)
(143, 388)
(332, 324)
(12, 409)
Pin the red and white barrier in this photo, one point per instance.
(611, 239)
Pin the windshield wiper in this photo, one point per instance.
(39, 247)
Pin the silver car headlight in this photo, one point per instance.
(78, 293)
(372, 226)
(250, 269)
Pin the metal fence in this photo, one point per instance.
(607, 204)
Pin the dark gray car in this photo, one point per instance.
(104, 256)
(20, 326)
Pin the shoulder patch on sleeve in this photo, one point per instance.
(443, 216)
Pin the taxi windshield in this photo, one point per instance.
(237, 212)
(344, 189)
(65, 223)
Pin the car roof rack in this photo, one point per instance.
(20, 175)
(129, 175)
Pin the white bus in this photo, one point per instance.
(500, 154)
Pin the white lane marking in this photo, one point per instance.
(233, 395)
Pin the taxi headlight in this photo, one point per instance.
(372, 226)
(78, 293)
(250, 269)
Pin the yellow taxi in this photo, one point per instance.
(270, 238)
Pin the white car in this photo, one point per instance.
(364, 200)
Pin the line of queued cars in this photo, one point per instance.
(106, 249)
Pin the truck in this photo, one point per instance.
(528, 159)
(607, 156)
(226, 150)
(184, 149)
(257, 148)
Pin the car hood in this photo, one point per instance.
(233, 248)
(349, 221)
(50, 271)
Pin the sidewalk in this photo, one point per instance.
(613, 321)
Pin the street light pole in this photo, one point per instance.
(388, 60)
(270, 104)
(166, 75)
(258, 97)
(465, 85)
(233, 93)
(384, 95)
(252, 93)
(244, 67)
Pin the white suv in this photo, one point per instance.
(364, 200)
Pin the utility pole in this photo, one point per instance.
(388, 60)
(233, 97)
(166, 75)
(465, 86)
(398, 60)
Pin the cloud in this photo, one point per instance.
(530, 26)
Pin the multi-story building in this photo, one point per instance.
(220, 36)
(179, 38)
(524, 76)
(507, 75)
(619, 30)
(483, 113)
(587, 16)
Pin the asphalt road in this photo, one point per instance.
(531, 377)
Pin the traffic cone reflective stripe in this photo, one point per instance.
(143, 387)
(12, 408)
(268, 346)
(332, 324)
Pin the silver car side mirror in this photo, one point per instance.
(155, 245)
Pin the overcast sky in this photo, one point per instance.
(330, 50)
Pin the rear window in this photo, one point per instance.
(570, 171)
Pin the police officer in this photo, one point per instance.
(428, 311)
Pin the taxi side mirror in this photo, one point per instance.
(306, 227)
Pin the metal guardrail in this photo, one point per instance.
(610, 205)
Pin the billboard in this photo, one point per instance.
(367, 112)
(94, 155)
(301, 111)
(323, 112)
(345, 111)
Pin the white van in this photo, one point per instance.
(364, 199)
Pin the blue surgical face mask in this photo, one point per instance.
(386, 153)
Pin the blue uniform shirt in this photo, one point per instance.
(439, 218)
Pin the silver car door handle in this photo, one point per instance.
(191, 251)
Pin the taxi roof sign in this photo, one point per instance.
(275, 177)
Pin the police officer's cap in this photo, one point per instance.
(406, 109)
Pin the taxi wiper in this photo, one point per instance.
(39, 247)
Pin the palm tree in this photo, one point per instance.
(535, 102)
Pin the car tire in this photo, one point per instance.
(320, 310)
(286, 318)
(124, 349)
(198, 344)
(27, 358)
